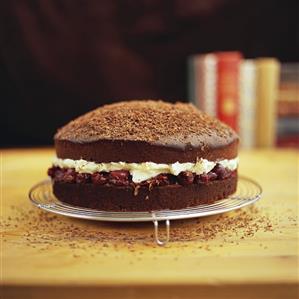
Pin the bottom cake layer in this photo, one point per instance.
(125, 198)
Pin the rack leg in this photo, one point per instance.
(156, 226)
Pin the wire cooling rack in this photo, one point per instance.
(247, 193)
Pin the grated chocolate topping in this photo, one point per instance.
(149, 121)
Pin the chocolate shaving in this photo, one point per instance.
(146, 120)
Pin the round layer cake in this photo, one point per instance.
(144, 156)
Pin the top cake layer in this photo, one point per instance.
(143, 131)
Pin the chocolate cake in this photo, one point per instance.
(144, 156)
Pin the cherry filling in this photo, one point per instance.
(123, 177)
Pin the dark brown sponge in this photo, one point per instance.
(112, 198)
(143, 131)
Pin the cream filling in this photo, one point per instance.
(144, 171)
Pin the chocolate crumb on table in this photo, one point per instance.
(43, 230)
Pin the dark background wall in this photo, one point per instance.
(59, 59)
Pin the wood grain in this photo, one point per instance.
(39, 252)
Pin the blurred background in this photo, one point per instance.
(62, 58)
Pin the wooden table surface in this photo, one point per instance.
(250, 253)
